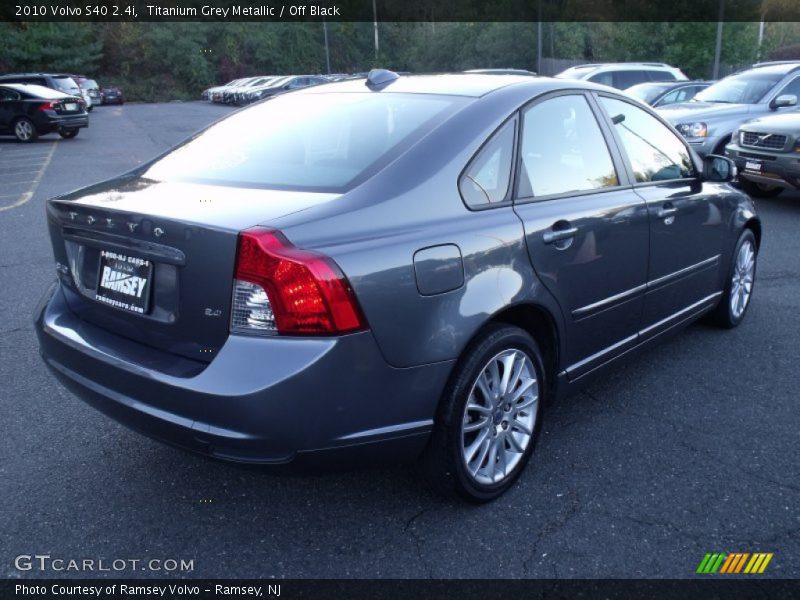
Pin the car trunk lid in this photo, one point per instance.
(154, 261)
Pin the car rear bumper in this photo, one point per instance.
(261, 400)
(777, 169)
(57, 122)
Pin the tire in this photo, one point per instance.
(735, 301)
(760, 190)
(500, 442)
(25, 130)
(68, 134)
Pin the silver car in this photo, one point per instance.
(710, 119)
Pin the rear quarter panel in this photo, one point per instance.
(374, 231)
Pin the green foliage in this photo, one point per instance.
(172, 60)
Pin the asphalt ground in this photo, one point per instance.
(691, 448)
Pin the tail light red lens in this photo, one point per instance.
(47, 106)
(282, 289)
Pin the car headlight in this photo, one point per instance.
(693, 130)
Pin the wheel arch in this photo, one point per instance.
(537, 321)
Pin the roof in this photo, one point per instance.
(457, 84)
(778, 68)
(37, 90)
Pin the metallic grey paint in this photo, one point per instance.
(427, 271)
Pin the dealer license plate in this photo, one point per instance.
(124, 281)
(752, 165)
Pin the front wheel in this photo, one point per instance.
(489, 417)
(760, 190)
(68, 133)
(739, 285)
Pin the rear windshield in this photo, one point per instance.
(313, 142)
(66, 85)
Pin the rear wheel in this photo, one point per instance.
(760, 190)
(25, 130)
(68, 133)
(489, 417)
(739, 286)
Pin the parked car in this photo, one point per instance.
(28, 111)
(710, 119)
(502, 72)
(623, 75)
(284, 84)
(219, 94)
(112, 95)
(91, 87)
(61, 82)
(664, 92)
(391, 268)
(233, 94)
(209, 93)
(767, 153)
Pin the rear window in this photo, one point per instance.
(315, 142)
(66, 85)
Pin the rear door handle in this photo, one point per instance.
(559, 234)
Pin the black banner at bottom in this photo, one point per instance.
(324, 589)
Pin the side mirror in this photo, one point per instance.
(718, 169)
(783, 100)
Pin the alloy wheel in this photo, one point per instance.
(500, 417)
(23, 130)
(742, 282)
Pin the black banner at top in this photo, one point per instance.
(399, 10)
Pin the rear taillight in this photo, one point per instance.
(279, 288)
(47, 106)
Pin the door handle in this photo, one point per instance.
(666, 211)
(559, 234)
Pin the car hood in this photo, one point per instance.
(680, 113)
(785, 123)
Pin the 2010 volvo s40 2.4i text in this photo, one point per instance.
(396, 268)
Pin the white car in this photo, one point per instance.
(623, 75)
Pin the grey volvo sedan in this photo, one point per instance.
(393, 269)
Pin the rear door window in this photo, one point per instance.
(606, 78)
(625, 79)
(657, 75)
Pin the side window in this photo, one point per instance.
(604, 78)
(674, 96)
(793, 87)
(8, 94)
(625, 79)
(661, 76)
(487, 179)
(656, 154)
(563, 149)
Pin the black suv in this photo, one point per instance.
(60, 82)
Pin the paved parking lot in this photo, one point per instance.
(691, 448)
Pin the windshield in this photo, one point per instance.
(90, 84)
(746, 88)
(66, 85)
(315, 142)
(646, 92)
